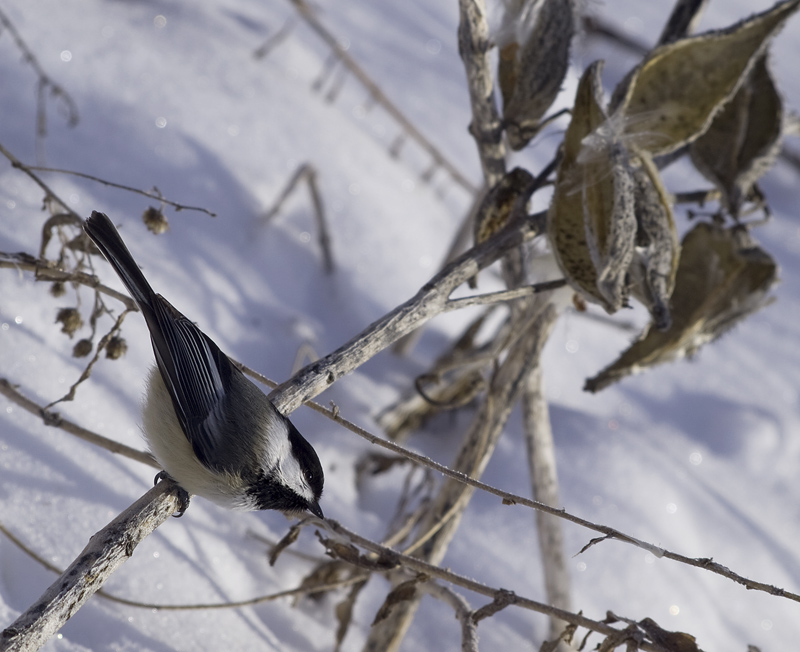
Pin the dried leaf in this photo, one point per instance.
(657, 250)
(744, 139)
(401, 593)
(672, 96)
(344, 611)
(672, 641)
(533, 65)
(722, 277)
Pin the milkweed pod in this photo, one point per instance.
(655, 259)
(533, 62)
(723, 276)
(743, 140)
(679, 87)
(496, 207)
(610, 222)
(565, 224)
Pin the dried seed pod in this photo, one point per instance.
(656, 255)
(70, 320)
(671, 98)
(682, 21)
(610, 222)
(116, 348)
(155, 220)
(82, 348)
(744, 139)
(566, 229)
(495, 208)
(83, 243)
(722, 277)
(58, 289)
(533, 64)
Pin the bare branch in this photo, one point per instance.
(105, 552)
(544, 480)
(486, 127)
(427, 303)
(397, 560)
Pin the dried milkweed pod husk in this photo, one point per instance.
(722, 277)
(591, 222)
(534, 57)
(610, 221)
(565, 224)
(744, 139)
(495, 208)
(655, 260)
(671, 98)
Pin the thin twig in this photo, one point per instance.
(274, 40)
(152, 195)
(379, 96)
(427, 303)
(503, 295)
(56, 420)
(49, 193)
(270, 597)
(44, 84)
(104, 553)
(306, 172)
(101, 345)
(391, 559)
(45, 271)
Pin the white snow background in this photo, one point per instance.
(700, 457)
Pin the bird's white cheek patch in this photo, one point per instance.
(294, 478)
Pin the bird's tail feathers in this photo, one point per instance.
(105, 235)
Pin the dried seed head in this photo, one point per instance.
(70, 320)
(155, 220)
(82, 348)
(58, 289)
(116, 348)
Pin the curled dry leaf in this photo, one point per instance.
(722, 277)
(744, 139)
(533, 62)
(672, 641)
(670, 99)
(656, 255)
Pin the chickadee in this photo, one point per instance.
(211, 429)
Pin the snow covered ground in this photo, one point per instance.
(700, 457)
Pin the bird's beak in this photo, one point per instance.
(315, 509)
